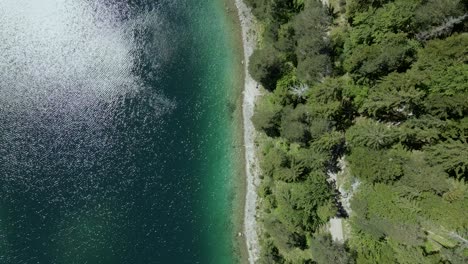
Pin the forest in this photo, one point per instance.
(382, 86)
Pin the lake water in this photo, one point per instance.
(116, 132)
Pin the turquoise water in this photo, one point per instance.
(116, 132)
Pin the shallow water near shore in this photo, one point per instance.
(116, 132)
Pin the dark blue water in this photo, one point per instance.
(115, 133)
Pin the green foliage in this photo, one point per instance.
(326, 251)
(329, 142)
(297, 203)
(370, 250)
(397, 97)
(366, 84)
(377, 165)
(371, 134)
(285, 42)
(387, 215)
(275, 10)
(374, 25)
(410, 255)
(422, 177)
(311, 159)
(440, 54)
(445, 107)
(378, 42)
(354, 6)
(443, 213)
(293, 126)
(327, 101)
(273, 160)
(456, 129)
(282, 94)
(450, 81)
(297, 198)
(266, 67)
(313, 62)
(283, 10)
(270, 253)
(442, 71)
(267, 116)
(417, 132)
(373, 61)
(456, 256)
(259, 8)
(452, 156)
(434, 12)
(457, 192)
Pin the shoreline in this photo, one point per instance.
(250, 93)
(244, 39)
(239, 181)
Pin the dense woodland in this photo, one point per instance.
(383, 84)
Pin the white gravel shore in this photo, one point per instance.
(249, 39)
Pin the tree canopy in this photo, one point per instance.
(382, 84)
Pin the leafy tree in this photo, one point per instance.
(325, 251)
(282, 95)
(327, 100)
(387, 215)
(310, 159)
(394, 101)
(373, 61)
(397, 97)
(293, 125)
(267, 116)
(440, 54)
(457, 191)
(283, 10)
(410, 254)
(377, 165)
(274, 9)
(298, 202)
(434, 12)
(456, 130)
(419, 175)
(329, 142)
(286, 41)
(439, 212)
(452, 156)
(327, 211)
(446, 106)
(266, 66)
(457, 256)
(313, 62)
(354, 6)
(272, 160)
(374, 25)
(283, 239)
(370, 251)
(286, 174)
(294, 131)
(417, 132)
(371, 134)
(449, 81)
(269, 253)
(319, 127)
